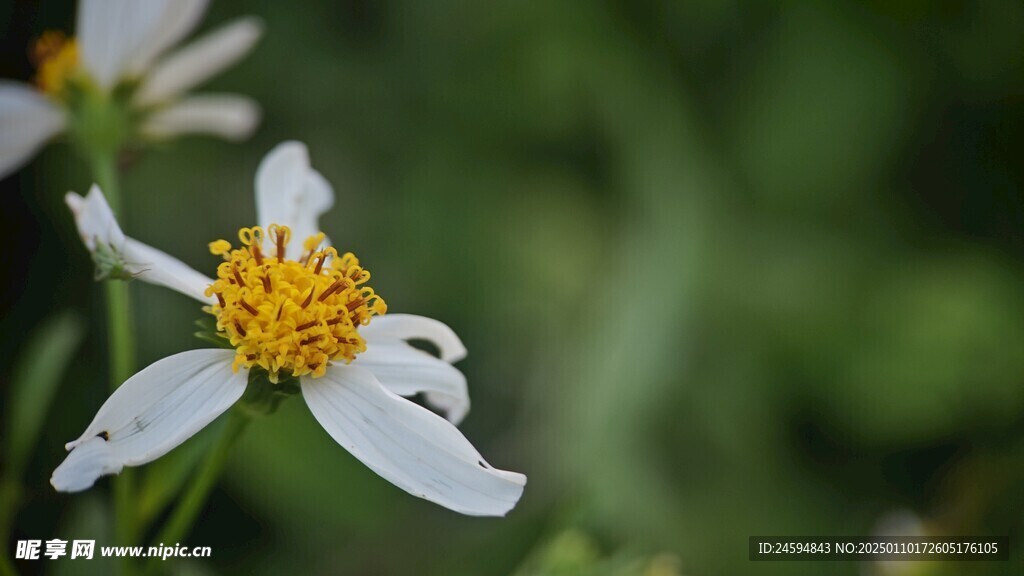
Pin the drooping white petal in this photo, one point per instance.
(199, 61)
(115, 36)
(97, 226)
(228, 116)
(407, 371)
(290, 193)
(407, 444)
(27, 120)
(392, 327)
(151, 413)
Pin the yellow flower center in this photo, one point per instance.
(56, 59)
(290, 316)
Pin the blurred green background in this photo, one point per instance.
(723, 269)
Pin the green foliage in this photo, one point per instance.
(163, 479)
(572, 553)
(37, 375)
(87, 518)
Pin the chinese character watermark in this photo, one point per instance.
(56, 548)
(83, 549)
(28, 549)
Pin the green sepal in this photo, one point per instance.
(208, 333)
(110, 264)
(214, 338)
(206, 324)
(263, 397)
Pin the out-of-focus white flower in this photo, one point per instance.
(120, 55)
(898, 523)
(297, 311)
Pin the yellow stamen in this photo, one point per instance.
(56, 59)
(313, 241)
(220, 247)
(287, 316)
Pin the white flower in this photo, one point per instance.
(899, 522)
(125, 43)
(293, 316)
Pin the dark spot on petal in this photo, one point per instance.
(482, 465)
(105, 435)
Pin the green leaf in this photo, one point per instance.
(35, 380)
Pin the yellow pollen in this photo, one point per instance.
(287, 316)
(56, 60)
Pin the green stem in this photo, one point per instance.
(121, 349)
(119, 317)
(191, 502)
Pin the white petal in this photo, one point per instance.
(156, 267)
(178, 19)
(199, 61)
(408, 445)
(96, 224)
(407, 371)
(392, 327)
(290, 193)
(90, 460)
(279, 179)
(226, 115)
(95, 219)
(115, 36)
(27, 120)
(151, 413)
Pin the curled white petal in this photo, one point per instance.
(408, 445)
(151, 413)
(27, 120)
(97, 225)
(95, 220)
(115, 36)
(291, 193)
(407, 371)
(228, 116)
(91, 459)
(199, 61)
(392, 327)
